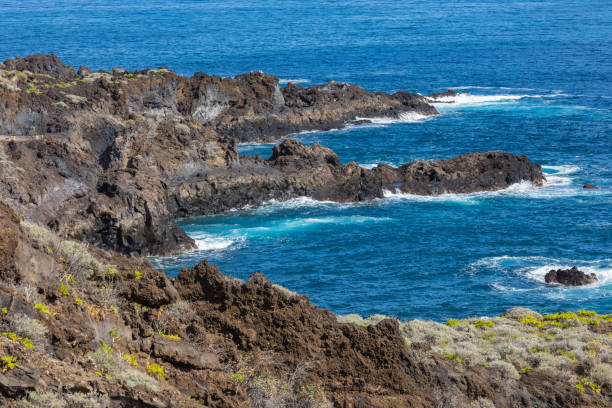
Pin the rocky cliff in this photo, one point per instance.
(125, 153)
(83, 327)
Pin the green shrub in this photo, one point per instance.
(170, 336)
(8, 363)
(44, 309)
(23, 340)
(452, 322)
(130, 359)
(453, 356)
(484, 323)
(156, 370)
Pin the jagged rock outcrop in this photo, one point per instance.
(125, 153)
(218, 341)
(442, 96)
(570, 277)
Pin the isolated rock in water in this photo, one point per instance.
(590, 186)
(442, 95)
(570, 277)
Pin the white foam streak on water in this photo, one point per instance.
(212, 242)
(273, 205)
(370, 166)
(457, 198)
(503, 288)
(534, 268)
(467, 99)
(490, 87)
(231, 237)
(537, 273)
(293, 81)
(404, 117)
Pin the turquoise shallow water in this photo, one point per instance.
(541, 73)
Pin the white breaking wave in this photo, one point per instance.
(524, 189)
(490, 87)
(232, 237)
(565, 169)
(370, 166)
(209, 242)
(503, 288)
(557, 185)
(536, 267)
(466, 99)
(560, 176)
(335, 220)
(274, 205)
(404, 117)
(294, 81)
(457, 198)
(537, 273)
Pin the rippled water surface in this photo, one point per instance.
(540, 75)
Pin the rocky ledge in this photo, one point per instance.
(570, 277)
(125, 153)
(84, 327)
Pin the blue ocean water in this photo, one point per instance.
(541, 76)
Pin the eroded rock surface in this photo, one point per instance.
(570, 277)
(125, 153)
(220, 342)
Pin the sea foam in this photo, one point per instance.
(404, 117)
(467, 99)
(283, 81)
(536, 267)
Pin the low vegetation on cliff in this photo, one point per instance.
(575, 347)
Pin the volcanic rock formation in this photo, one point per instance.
(125, 153)
(118, 333)
(570, 277)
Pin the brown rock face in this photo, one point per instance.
(216, 338)
(125, 153)
(570, 277)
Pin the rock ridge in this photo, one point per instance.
(126, 153)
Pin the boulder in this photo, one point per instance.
(570, 277)
(440, 95)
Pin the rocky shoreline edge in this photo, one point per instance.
(114, 157)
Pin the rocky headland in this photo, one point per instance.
(103, 162)
(120, 155)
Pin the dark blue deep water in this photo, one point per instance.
(541, 73)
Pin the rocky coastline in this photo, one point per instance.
(125, 153)
(85, 327)
(98, 165)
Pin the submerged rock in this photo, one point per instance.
(570, 277)
(441, 95)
